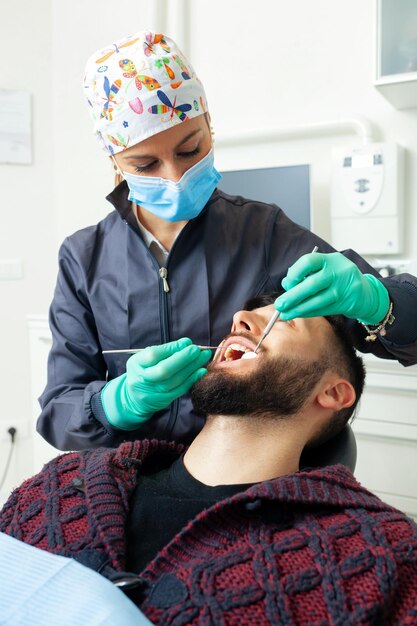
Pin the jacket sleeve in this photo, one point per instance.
(289, 241)
(76, 368)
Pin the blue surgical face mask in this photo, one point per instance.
(178, 201)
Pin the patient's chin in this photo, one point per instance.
(278, 386)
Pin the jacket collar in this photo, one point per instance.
(119, 198)
(332, 485)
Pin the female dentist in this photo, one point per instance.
(176, 258)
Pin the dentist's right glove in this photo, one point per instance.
(154, 378)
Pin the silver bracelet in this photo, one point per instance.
(380, 329)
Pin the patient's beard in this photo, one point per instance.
(278, 387)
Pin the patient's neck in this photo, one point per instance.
(233, 450)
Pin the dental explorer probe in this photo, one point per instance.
(273, 320)
(134, 350)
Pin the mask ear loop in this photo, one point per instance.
(118, 177)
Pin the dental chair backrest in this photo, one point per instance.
(339, 449)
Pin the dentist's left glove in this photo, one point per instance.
(154, 378)
(330, 284)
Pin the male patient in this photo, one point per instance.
(231, 530)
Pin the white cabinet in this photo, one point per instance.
(386, 433)
(396, 51)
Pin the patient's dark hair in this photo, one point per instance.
(344, 361)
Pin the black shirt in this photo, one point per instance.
(161, 505)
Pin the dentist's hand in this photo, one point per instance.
(330, 284)
(154, 378)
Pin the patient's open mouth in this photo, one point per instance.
(235, 351)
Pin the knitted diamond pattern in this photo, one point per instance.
(312, 548)
(310, 567)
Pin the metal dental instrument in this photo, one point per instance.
(273, 320)
(134, 350)
(267, 329)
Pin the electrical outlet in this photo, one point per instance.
(22, 429)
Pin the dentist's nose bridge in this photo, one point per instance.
(172, 166)
(248, 321)
(173, 170)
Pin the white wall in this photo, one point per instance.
(264, 64)
(278, 62)
(27, 218)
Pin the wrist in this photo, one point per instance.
(117, 406)
(378, 302)
(380, 329)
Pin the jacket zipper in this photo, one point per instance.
(163, 273)
(175, 405)
(163, 290)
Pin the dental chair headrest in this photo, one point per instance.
(339, 449)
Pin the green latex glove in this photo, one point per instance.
(154, 378)
(329, 284)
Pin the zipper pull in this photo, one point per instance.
(163, 272)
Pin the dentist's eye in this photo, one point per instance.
(189, 155)
(139, 169)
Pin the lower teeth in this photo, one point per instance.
(249, 355)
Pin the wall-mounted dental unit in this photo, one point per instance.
(367, 198)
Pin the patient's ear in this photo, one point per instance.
(338, 393)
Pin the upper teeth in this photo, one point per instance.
(234, 346)
(238, 346)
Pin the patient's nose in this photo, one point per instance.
(246, 321)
